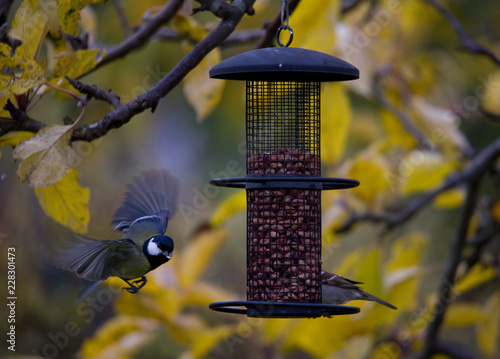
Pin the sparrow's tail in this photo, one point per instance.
(368, 296)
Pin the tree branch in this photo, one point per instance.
(476, 168)
(230, 14)
(20, 121)
(466, 41)
(95, 92)
(139, 38)
(448, 280)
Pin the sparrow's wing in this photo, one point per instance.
(95, 259)
(148, 205)
(338, 281)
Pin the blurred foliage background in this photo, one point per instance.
(412, 69)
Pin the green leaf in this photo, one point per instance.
(66, 202)
(69, 14)
(29, 26)
(46, 157)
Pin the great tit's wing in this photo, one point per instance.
(95, 259)
(150, 201)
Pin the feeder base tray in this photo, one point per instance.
(256, 309)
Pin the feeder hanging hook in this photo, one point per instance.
(285, 14)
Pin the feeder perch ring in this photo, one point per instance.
(276, 181)
(258, 309)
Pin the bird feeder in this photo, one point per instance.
(283, 178)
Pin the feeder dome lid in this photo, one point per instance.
(284, 64)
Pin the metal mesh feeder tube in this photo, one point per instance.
(283, 179)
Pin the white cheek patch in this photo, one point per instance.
(153, 249)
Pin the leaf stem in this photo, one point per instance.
(76, 97)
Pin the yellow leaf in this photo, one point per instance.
(318, 35)
(316, 336)
(398, 136)
(120, 337)
(370, 170)
(407, 251)
(24, 72)
(387, 349)
(464, 314)
(349, 262)
(66, 202)
(476, 276)
(29, 26)
(273, 328)
(49, 7)
(197, 253)
(69, 14)
(487, 332)
(202, 92)
(336, 118)
(187, 27)
(402, 278)
(495, 212)
(489, 91)
(202, 294)
(423, 171)
(368, 271)
(5, 96)
(228, 208)
(208, 339)
(441, 125)
(46, 157)
(450, 199)
(73, 65)
(13, 139)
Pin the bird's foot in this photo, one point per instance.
(135, 285)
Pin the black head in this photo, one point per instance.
(158, 249)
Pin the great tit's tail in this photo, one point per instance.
(86, 292)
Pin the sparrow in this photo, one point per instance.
(150, 201)
(340, 290)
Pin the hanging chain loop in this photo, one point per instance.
(284, 25)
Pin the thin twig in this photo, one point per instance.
(122, 17)
(405, 120)
(139, 38)
(95, 92)
(468, 44)
(236, 38)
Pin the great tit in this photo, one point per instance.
(340, 290)
(150, 201)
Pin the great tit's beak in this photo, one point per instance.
(168, 254)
